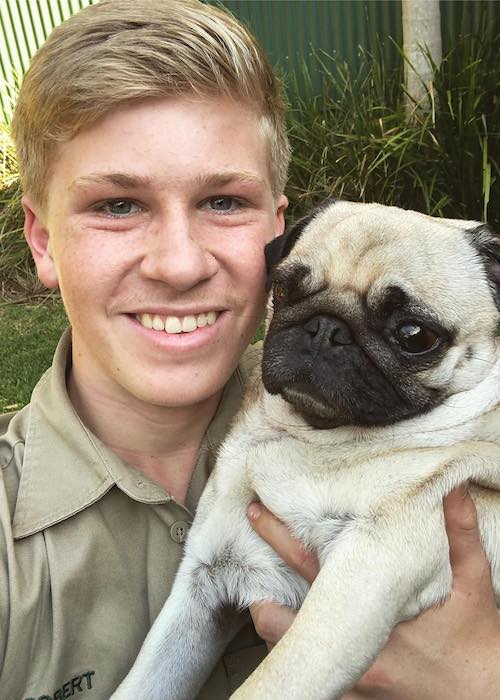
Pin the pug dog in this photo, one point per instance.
(379, 393)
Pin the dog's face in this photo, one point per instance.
(379, 314)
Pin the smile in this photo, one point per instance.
(177, 324)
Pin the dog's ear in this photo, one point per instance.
(487, 243)
(280, 247)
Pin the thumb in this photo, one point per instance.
(467, 558)
(271, 620)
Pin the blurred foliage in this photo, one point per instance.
(353, 140)
(17, 274)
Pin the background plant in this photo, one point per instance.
(352, 139)
(17, 275)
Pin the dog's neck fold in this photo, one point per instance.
(454, 420)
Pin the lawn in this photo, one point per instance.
(28, 337)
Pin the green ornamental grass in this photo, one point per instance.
(352, 138)
(17, 275)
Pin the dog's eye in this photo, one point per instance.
(415, 339)
(279, 293)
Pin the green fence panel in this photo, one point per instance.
(24, 26)
(289, 31)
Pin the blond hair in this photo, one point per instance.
(122, 50)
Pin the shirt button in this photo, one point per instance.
(178, 531)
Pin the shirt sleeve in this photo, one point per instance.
(11, 450)
(5, 536)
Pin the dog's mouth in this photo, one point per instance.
(332, 378)
(315, 411)
(351, 394)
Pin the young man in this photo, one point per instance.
(153, 157)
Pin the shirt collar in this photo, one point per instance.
(66, 468)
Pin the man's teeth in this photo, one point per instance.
(176, 324)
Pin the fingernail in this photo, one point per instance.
(253, 511)
(463, 489)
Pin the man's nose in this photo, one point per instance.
(176, 254)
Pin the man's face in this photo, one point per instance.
(158, 215)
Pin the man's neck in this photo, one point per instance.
(162, 442)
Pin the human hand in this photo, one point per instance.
(451, 651)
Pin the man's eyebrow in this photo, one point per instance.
(123, 180)
(226, 178)
(133, 181)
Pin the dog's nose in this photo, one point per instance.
(328, 329)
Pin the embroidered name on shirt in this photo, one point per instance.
(78, 684)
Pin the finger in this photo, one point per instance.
(460, 512)
(461, 523)
(271, 620)
(276, 534)
(467, 557)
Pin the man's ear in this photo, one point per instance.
(280, 215)
(38, 240)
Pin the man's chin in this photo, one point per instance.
(178, 395)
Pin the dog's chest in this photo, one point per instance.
(316, 496)
(321, 491)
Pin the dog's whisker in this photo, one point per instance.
(482, 359)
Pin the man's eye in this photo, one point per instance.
(223, 204)
(119, 207)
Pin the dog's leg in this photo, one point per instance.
(226, 567)
(363, 589)
(184, 643)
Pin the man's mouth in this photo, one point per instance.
(177, 324)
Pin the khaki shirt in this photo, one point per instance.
(89, 547)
